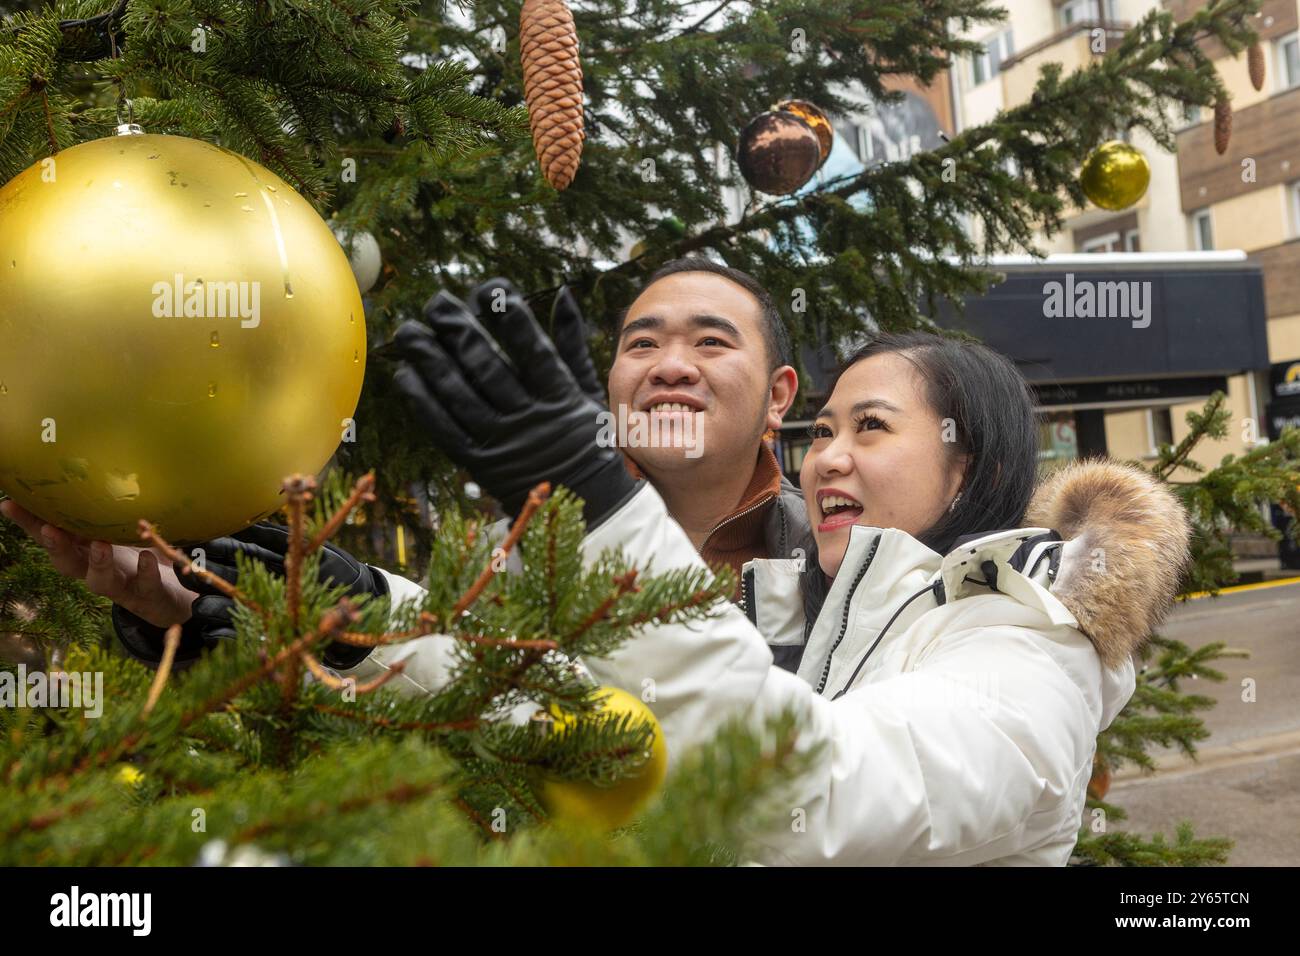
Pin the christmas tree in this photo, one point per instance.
(407, 121)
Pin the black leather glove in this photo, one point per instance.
(210, 619)
(492, 390)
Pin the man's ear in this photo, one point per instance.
(782, 388)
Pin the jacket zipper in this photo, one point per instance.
(844, 621)
(747, 596)
(753, 507)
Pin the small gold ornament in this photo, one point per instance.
(548, 52)
(779, 152)
(586, 804)
(179, 330)
(815, 117)
(1115, 175)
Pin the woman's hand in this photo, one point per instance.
(131, 577)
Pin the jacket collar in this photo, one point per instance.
(888, 579)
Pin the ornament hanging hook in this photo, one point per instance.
(127, 127)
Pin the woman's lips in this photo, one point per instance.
(840, 520)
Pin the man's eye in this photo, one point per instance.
(818, 431)
(711, 341)
(638, 343)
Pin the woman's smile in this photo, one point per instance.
(839, 509)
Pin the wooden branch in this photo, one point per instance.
(536, 498)
(149, 535)
(171, 640)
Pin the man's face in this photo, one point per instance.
(692, 348)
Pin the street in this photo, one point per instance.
(1245, 784)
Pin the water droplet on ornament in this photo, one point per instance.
(288, 290)
(4, 389)
(212, 389)
(208, 205)
(13, 263)
(354, 356)
(246, 208)
(214, 341)
(240, 195)
(270, 187)
(351, 318)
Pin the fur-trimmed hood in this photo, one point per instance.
(1127, 544)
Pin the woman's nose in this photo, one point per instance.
(833, 460)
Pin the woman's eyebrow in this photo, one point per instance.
(862, 407)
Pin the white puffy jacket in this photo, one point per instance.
(957, 696)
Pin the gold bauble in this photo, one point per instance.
(816, 117)
(188, 410)
(584, 803)
(1115, 175)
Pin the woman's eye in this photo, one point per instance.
(869, 423)
(818, 431)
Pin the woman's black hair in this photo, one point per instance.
(983, 399)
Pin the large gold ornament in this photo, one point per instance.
(179, 330)
(1115, 175)
(779, 152)
(586, 804)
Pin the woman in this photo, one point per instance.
(959, 666)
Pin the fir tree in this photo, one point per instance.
(424, 101)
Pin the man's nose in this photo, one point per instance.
(672, 369)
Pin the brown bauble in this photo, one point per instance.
(814, 116)
(779, 152)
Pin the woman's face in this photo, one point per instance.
(878, 457)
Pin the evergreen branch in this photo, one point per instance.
(389, 724)
(535, 499)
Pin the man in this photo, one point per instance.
(708, 337)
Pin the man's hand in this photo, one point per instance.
(212, 621)
(499, 399)
(131, 577)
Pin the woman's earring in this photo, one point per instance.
(953, 507)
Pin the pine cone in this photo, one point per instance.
(1255, 63)
(1222, 123)
(548, 48)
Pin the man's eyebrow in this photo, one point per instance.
(862, 407)
(707, 321)
(645, 322)
(699, 321)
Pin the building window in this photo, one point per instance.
(1074, 11)
(1288, 61)
(1293, 193)
(1132, 241)
(1203, 230)
(1191, 114)
(987, 64)
(1106, 243)
(1160, 428)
